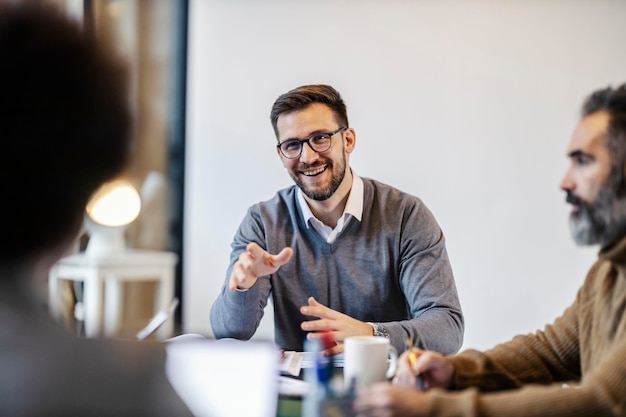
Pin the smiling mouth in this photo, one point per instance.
(314, 172)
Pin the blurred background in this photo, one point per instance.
(151, 37)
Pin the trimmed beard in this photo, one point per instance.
(324, 194)
(601, 222)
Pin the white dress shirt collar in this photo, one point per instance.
(354, 208)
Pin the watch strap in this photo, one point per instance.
(379, 330)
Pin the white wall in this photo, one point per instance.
(467, 104)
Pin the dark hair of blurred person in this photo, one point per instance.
(64, 126)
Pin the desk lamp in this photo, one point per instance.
(111, 209)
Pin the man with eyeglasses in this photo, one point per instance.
(339, 254)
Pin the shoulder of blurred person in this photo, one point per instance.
(48, 371)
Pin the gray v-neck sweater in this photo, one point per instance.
(392, 267)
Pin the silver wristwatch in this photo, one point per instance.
(379, 330)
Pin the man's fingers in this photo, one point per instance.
(426, 360)
(282, 257)
(319, 309)
(234, 277)
(254, 250)
(254, 263)
(240, 277)
(255, 254)
(317, 325)
(313, 302)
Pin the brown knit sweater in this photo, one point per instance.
(585, 347)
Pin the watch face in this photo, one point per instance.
(380, 330)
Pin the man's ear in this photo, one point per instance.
(350, 139)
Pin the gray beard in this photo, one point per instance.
(602, 222)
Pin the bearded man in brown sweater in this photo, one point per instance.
(575, 366)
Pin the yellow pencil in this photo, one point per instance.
(412, 360)
(412, 354)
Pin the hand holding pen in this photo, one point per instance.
(419, 381)
(424, 369)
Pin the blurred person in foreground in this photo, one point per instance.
(64, 130)
(575, 366)
(337, 252)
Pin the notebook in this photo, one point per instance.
(225, 378)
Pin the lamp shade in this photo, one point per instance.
(113, 207)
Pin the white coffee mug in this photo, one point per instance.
(368, 359)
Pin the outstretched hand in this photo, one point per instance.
(337, 324)
(255, 262)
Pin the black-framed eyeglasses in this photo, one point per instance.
(319, 142)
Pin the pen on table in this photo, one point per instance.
(412, 359)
